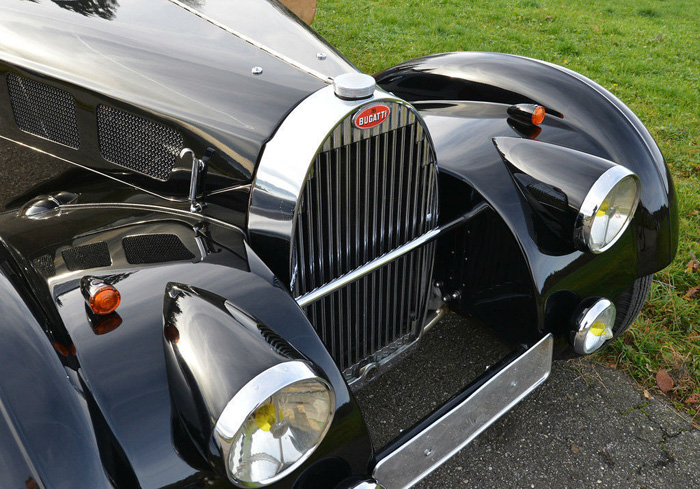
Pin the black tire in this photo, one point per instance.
(630, 303)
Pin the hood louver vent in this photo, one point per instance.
(155, 248)
(43, 111)
(139, 144)
(45, 265)
(93, 255)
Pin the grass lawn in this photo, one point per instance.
(646, 52)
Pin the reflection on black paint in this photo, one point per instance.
(106, 324)
(194, 3)
(105, 9)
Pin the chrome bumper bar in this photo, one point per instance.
(433, 441)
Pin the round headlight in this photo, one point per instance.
(593, 325)
(274, 423)
(607, 210)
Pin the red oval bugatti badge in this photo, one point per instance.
(371, 116)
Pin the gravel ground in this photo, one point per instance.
(586, 426)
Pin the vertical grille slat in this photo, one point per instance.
(399, 204)
(329, 221)
(357, 205)
(338, 196)
(349, 222)
(318, 198)
(390, 202)
(385, 180)
(369, 198)
(367, 193)
(415, 215)
(308, 231)
(376, 203)
(409, 183)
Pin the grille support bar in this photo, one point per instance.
(387, 258)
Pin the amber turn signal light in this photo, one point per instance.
(527, 113)
(102, 298)
(538, 115)
(105, 300)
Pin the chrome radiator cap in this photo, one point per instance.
(353, 86)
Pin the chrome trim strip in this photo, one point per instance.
(153, 208)
(93, 170)
(385, 259)
(88, 169)
(367, 485)
(249, 40)
(436, 444)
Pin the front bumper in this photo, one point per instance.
(432, 441)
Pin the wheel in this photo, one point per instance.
(630, 303)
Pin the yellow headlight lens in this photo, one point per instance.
(265, 417)
(603, 209)
(598, 328)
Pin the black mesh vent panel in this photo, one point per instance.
(44, 265)
(93, 255)
(155, 248)
(138, 144)
(43, 110)
(277, 343)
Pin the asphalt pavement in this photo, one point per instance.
(587, 426)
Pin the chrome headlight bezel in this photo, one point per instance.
(602, 188)
(253, 395)
(585, 318)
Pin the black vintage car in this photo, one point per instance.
(216, 233)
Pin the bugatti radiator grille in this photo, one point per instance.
(367, 193)
(43, 110)
(138, 144)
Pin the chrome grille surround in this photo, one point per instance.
(343, 198)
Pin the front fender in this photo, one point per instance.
(463, 98)
(121, 371)
(597, 122)
(45, 431)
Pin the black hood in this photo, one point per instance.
(185, 65)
